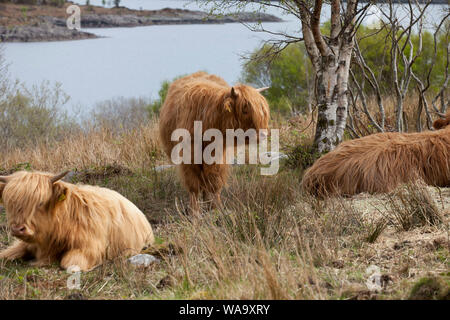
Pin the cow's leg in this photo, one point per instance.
(190, 175)
(193, 203)
(17, 250)
(215, 177)
(41, 262)
(213, 199)
(75, 260)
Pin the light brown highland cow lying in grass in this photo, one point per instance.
(78, 226)
(380, 162)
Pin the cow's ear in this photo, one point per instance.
(59, 192)
(440, 123)
(230, 100)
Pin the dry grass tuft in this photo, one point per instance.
(412, 206)
(374, 230)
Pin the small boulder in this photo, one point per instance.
(143, 260)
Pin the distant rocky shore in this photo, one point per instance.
(41, 32)
(52, 27)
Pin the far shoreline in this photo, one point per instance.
(45, 23)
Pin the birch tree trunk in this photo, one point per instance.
(331, 60)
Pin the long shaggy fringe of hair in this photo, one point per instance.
(207, 98)
(91, 222)
(380, 162)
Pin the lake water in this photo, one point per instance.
(132, 62)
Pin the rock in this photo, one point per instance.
(161, 17)
(269, 157)
(163, 167)
(275, 155)
(143, 260)
(41, 32)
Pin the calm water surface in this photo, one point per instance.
(132, 62)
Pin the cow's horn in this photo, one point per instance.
(262, 89)
(58, 177)
(4, 179)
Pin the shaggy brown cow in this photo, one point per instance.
(208, 98)
(380, 162)
(77, 225)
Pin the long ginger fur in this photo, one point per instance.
(208, 98)
(380, 162)
(74, 225)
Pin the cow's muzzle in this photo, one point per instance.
(19, 230)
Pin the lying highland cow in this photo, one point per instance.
(77, 225)
(209, 99)
(380, 162)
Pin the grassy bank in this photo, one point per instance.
(269, 242)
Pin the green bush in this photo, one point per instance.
(289, 76)
(302, 156)
(156, 105)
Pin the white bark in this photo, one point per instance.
(331, 60)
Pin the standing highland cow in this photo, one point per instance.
(77, 225)
(209, 99)
(380, 162)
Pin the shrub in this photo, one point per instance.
(120, 114)
(156, 105)
(28, 117)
